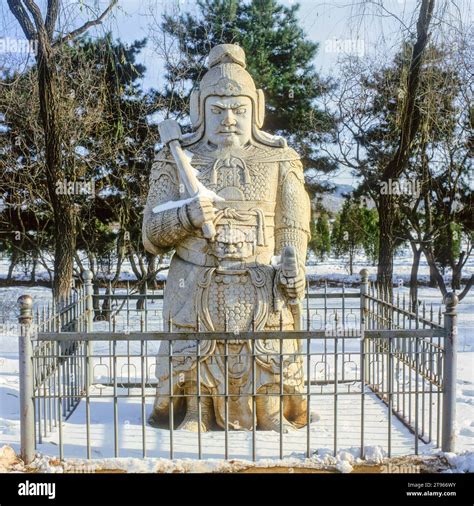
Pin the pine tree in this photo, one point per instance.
(320, 242)
(279, 57)
(354, 230)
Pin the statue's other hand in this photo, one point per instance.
(200, 211)
(293, 287)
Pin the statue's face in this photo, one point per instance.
(228, 121)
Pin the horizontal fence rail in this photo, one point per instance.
(354, 346)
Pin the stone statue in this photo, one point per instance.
(230, 205)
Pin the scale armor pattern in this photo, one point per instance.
(232, 298)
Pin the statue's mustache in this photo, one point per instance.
(228, 131)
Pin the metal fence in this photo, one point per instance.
(355, 345)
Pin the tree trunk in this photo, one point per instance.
(64, 248)
(65, 238)
(33, 270)
(433, 282)
(141, 301)
(95, 300)
(414, 276)
(151, 271)
(13, 262)
(432, 263)
(106, 305)
(409, 126)
(386, 241)
(41, 31)
(457, 275)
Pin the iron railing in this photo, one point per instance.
(355, 346)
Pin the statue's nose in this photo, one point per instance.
(229, 119)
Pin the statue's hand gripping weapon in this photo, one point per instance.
(170, 133)
(289, 268)
(289, 271)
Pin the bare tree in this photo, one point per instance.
(409, 126)
(41, 32)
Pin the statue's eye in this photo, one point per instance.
(215, 110)
(240, 110)
(240, 245)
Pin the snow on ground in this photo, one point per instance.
(342, 462)
(185, 443)
(337, 269)
(332, 269)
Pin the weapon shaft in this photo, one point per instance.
(170, 133)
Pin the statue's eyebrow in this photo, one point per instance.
(235, 105)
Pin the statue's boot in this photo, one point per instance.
(191, 419)
(268, 415)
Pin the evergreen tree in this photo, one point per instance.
(279, 57)
(355, 230)
(370, 240)
(320, 242)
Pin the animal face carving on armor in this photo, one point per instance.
(228, 121)
(233, 243)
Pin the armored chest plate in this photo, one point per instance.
(239, 178)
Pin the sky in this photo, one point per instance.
(339, 26)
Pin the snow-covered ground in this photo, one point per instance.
(267, 443)
(332, 269)
(337, 269)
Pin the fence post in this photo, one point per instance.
(89, 291)
(364, 290)
(364, 314)
(27, 406)
(364, 324)
(449, 378)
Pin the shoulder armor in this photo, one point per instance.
(289, 154)
(291, 167)
(262, 153)
(163, 156)
(163, 164)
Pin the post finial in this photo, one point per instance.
(364, 274)
(25, 302)
(451, 300)
(87, 275)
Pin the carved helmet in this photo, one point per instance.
(226, 77)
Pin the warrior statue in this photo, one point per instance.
(233, 207)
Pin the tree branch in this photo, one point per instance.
(466, 288)
(51, 18)
(39, 23)
(22, 17)
(36, 13)
(86, 26)
(411, 112)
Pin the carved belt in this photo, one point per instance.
(196, 257)
(206, 260)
